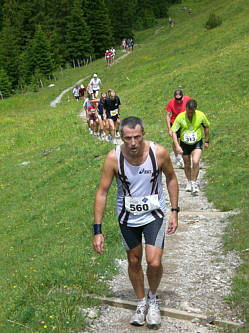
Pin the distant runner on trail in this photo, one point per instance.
(175, 106)
(76, 93)
(95, 84)
(108, 57)
(112, 114)
(137, 166)
(190, 123)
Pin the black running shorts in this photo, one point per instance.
(154, 233)
(187, 149)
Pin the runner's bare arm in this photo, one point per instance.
(168, 122)
(178, 147)
(164, 163)
(109, 170)
(206, 132)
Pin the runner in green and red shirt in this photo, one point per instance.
(189, 123)
(175, 106)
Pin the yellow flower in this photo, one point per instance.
(51, 316)
(14, 287)
(45, 326)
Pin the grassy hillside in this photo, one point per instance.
(47, 261)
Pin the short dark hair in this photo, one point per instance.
(131, 122)
(191, 104)
(178, 92)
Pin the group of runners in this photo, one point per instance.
(127, 44)
(110, 56)
(137, 165)
(102, 114)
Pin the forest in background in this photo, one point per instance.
(38, 37)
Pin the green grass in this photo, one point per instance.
(47, 261)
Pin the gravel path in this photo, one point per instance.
(197, 273)
(58, 98)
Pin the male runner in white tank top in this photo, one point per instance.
(138, 165)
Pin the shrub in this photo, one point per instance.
(213, 21)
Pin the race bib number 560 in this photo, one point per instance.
(141, 205)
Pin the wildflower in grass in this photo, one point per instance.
(45, 326)
(14, 286)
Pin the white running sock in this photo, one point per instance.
(142, 301)
(151, 296)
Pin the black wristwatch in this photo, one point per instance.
(177, 209)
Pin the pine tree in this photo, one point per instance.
(100, 25)
(40, 54)
(145, 14)
(78, 36)
(161, 8)
(9, 53)
(5, 84)
(58, 17)
(122, 14)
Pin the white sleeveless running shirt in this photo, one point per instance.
(139, 181)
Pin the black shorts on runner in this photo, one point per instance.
(187, 149)
(92, 117)
(108, 116)
(178, 132)
(154, 234)
(94, 91)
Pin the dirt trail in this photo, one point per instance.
(197, 273)
(58, 98)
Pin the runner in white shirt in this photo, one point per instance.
(138, 165)
(95, 84)
(113, 54)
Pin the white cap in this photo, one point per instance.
(82, 86)
(95, 75)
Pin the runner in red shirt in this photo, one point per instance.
(108, 57)
(175, 106)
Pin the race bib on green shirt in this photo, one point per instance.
(190, 137)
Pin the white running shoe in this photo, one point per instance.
(189, 187)
(90, 131)
(195, 189)
(95, 133)
(107, 138)
(138, 318)
(117, 135)
(114, 141)
(153, 317)
(179, 162)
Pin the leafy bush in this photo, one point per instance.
(213, 21)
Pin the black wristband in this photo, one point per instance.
(206, 141)
(97, 229)
(177, 209)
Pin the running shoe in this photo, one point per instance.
(189, 187)
(153, 317)
(179, 162)
(114, 141)
(138, 318)
(195, 189)
(90, 131)
(117, 134)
